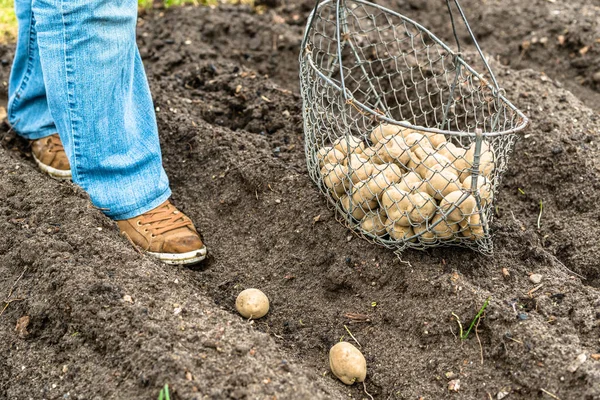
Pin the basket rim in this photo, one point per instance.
(306, 53)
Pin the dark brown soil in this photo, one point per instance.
(109, 323)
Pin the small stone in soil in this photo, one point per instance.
(522, 316)
(454, 385)
(574, 366)
(535, 278)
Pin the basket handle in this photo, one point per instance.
(462, 15)
(464, 19)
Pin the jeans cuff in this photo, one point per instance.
(140, 210)
(38, 134)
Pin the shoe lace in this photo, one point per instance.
(164, 219)
(54, 144)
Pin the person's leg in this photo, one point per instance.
(99, 98)
(28, 111)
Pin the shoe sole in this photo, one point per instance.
(191, 257)
(59, 174)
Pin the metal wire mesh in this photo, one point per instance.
(406, 140)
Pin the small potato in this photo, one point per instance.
(399, 232)
(394, 150)
(472, 228)
(392, 172)
(442, 181)
(487, 164)
(335, 177)
(347, 363)
(371, 155)
(423, 207)
(377, 183)
(329, 155)
(412, 182)
(464, 209)
(430, 161)
(359, 169)
(445, 229)
(359, 209)
(386, 130)
(348, 145)
(252, 303)
(436, 139)
(451, 151)
(484, 185)
(373, 223)
(395, 203)
(417, 140)
(425, 235)
(407, 208)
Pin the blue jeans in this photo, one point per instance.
(77, 71)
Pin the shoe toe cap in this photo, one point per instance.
(182, 243)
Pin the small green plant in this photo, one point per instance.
(164, 393)
(464, 335)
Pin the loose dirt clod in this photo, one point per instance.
(535, 278)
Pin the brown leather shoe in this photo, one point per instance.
(49, 154)
(165, 233)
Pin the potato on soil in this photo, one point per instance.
(352, 143)
(484, 185)
(335, 177)
(252, 303)
(464, 209)
(472, 228)
(329, 155)
(442, 181)
(425, 235)
(373, 223)
(445, 229)
(359, 209)
(347, 363)
(398, 232)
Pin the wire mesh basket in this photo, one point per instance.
(406, 139)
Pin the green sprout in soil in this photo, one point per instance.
(464, 335)
(164, 393)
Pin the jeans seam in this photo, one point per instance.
(25, 80)
(71, 131)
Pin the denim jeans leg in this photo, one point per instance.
(99, 98)
(28, 111)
